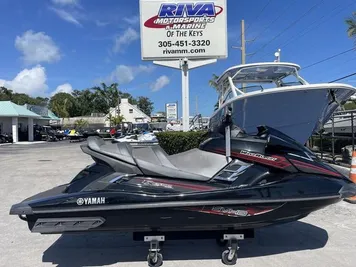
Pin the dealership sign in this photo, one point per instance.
(183, 29)
(172, 111)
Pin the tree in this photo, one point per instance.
(116, 120)
(131, 99)
(62, 104)
(351, 23)
(214, 84)
(145, 105)
(20, 98)
(84, 103)
(5, 94)
(107, 96)
(42, 101)
(80, 124)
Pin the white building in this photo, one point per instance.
(130, 112)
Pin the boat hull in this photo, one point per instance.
(196, 218)
(297, 111)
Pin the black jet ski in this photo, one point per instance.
(267, 179)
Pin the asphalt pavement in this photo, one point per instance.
(324, 238)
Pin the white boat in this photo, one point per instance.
(342, 124)
(144, 138)
(274, 94)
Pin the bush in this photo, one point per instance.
(177, 142)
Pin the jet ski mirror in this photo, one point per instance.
(226, 120)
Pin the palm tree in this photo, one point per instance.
(5, 94)
(351, 23)
(214, 84)
(110, 94)
(81, 123)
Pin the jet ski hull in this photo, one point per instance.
(194, 218)
(269, 179)
(213, 208)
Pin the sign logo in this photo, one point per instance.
(257, 155)
(184, 16)
(90, 201)
(156, 184)
(229, 211)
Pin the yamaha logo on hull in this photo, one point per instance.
(91, 201)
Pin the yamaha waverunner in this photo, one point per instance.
(220, 190)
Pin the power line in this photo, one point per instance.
(282, 13)
(328, 58)
(256, 18)
(310, 28)
(329, 16)
(337, 67)
(289, 26)
(342, 78)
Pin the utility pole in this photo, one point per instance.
(243, 43)
(118, 108)
(243, 48)
(118, 104)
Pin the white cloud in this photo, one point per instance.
(160, 83)
(28, 81)
(63, 88)
(69, 17)
(37, 47)
(129, 36)
(125, 74)
(134, 20)
(66, 2)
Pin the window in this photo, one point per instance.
(130, 110)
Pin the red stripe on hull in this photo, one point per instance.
(231, 212)
(179, 184)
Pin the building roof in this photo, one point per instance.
(10, 109)
(53, 116)
(125, 101)
(42, 111)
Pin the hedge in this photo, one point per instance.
(177, 142)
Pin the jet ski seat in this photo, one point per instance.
(121, 151)
(194, 164)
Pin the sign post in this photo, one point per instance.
(183, 34)
(172, 111)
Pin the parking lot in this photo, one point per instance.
(325, 238)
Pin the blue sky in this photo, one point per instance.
(60, 45)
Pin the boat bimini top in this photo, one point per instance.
(276, 73)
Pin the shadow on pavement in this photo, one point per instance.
(98, 249)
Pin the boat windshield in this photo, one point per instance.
(257, 77)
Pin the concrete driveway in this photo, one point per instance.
(325, 238)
